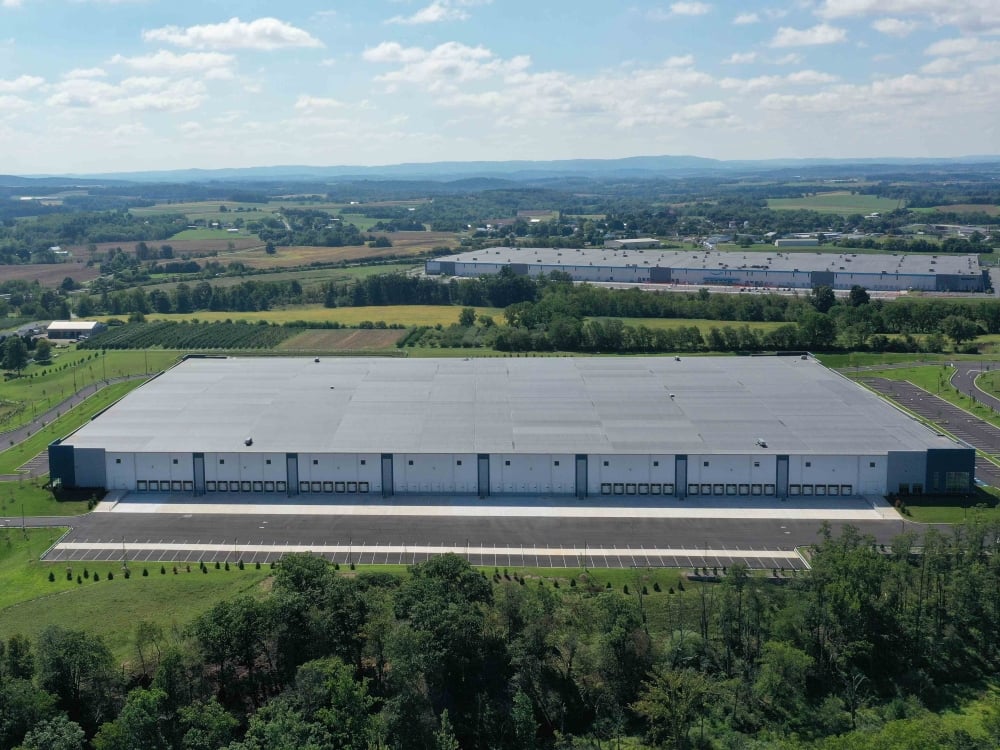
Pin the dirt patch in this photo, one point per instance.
(320, 340)
(49, 274)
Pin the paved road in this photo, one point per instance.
(960, 423)
(964, 380)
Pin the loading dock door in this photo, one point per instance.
(387, 480)
(680, 476)
(581, 475)
(484, 474)
(292, 470)
(199, 473)
(781, 480)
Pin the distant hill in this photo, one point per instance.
(636, 167)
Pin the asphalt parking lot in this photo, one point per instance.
(979, 434)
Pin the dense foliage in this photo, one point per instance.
(446, 657)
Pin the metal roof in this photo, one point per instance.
(776, 260)
(72, 325)
(616, 405)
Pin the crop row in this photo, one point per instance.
(170, 335)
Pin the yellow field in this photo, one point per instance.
(408, 315)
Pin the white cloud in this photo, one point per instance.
(820, 34)
(20, 84)
(744, 19)
(690, 9)
(800, 78)
(10, 3)
(260, 34)
(968, 15)
(792, 58)
(740, 58)
(941, 66)
(308, 103)
(164, 61)
(86, 73)
(442, 67)
(438, 11)
(137, 94)
(894, 27)
(679, 61)
(11, 105)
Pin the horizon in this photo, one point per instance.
(146, 86)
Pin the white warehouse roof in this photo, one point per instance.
(620, 405)
(73, 325)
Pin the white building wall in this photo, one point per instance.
(340, 472)
(120, 471)
(629, 474)
(872, 475)
(726, 474)
(518, 473)
(435, 472)
(823, 475)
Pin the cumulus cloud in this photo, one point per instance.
(86, 73)
(164, 61)
(12, 105)
(820, 34)
(20, 84)
(800, 78)
(261, 34)
(306, 103)
(968, 15)
(443, 66)
(744, 19)
(136, 94)
(740, 58)
(690, 9)
(438, 11)
(894, 27)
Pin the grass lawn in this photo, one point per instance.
(41, 387)
(407, 315)
(31, 499)
(24, 451)
(29, 601)
(837, 202)
(210, 234)
(955, 510)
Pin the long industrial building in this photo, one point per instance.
(661, 427)
(772, 269)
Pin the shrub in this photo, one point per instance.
(217, 565)
(52, 577)
(97, 576)
(625, 589)
(128, 574)
(111, 576)
(79, 579)
(656, 586)
(227, 564)
(163, 570)
(257, 565)
(86, 573)
(69, 574)
(145, 573)
(240, 565)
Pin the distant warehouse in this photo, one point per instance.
(73, 329)
(661, 427)
(886, 272)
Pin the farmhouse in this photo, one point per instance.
(661, 427)
(886, 272)
(73, 329)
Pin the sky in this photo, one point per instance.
(90, 86)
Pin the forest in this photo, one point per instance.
(855, 653)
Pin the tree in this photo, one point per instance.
(57, 733)
(207, 725)
(141, 723)
(467, 317)
(822, 298)
(78, 669)
(858, 296)
(671, 701)
(15, 354)
(444, 738)
(43, 351)
(959, 329)
(18, 659)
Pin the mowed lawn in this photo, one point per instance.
(406, 315)
(837, 202)
(29, 602)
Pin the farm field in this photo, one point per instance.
(50, 274)
(194, 248)
(407, 315)
(341, 340)
(966, 208)
(211, 234)
(308, 277)
(837, 202)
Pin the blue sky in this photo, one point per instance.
(116, 85)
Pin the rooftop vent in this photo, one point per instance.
(248, 442)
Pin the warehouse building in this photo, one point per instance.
(660, 427)
(801, 270)
(73, 329)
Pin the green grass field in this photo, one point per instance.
(308, 277)
(702, 325)
(29, 601)
(24, 451)
(28, 497)
(210, 234)
(837, 202)
(41, 387)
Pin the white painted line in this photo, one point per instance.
(495, 551)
